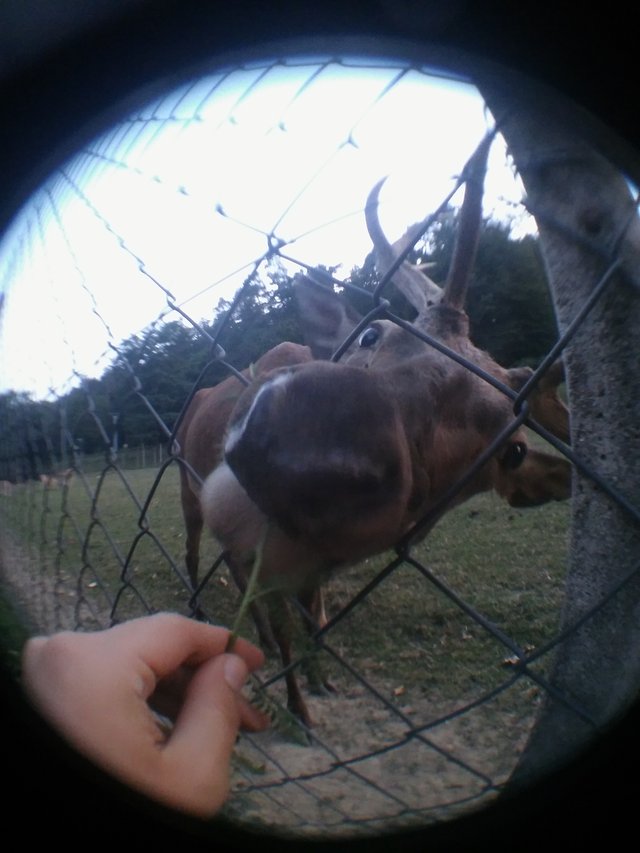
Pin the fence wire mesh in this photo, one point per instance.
(441, 653)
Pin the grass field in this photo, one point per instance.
(506, 564)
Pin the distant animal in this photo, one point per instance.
(59, 478)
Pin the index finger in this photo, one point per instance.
(166, 641)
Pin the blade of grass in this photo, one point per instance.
(249, 593)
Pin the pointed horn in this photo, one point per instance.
(411, 282)
(469, 223)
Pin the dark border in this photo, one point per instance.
(68, 89)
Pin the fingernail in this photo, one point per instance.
(235, 672)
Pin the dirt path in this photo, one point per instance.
(367, 769)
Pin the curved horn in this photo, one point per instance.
(410, 281)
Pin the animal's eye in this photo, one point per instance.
(514, 455)
(369, 337)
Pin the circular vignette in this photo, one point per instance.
(51, 134)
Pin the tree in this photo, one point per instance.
(509, 304)
(146, 386)
(27, 437)
(265, 315)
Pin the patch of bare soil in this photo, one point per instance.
(42, 594)
(371, 768)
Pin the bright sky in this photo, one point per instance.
(179, 201)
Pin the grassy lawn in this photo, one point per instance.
(507, 565)
(102, 556)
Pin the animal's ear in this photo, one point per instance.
(517, 376)
(545, 405)
(325, 316)
(551, 378)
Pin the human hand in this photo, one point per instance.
(98, 690)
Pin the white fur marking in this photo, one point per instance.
(230, 513)
(235, 433)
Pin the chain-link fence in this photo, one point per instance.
(458, 664)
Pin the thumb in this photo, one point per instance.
(205, 731)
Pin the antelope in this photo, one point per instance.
(63, 477)
(200, 439)
(328, 462)
(57, 479)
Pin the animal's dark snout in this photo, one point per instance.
(319, 448)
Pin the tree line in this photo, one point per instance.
(139, 397)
